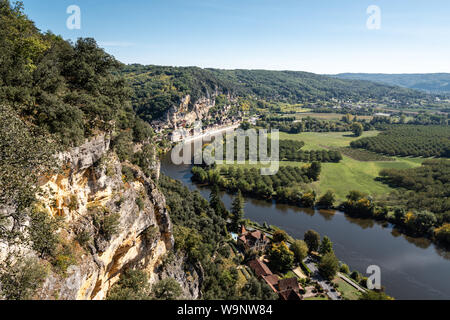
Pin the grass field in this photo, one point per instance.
(347, 291)
(316, 298)
(349, 174)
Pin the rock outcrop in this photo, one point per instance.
(91, 189)
(188, 112)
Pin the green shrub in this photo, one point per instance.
(20, 280)
(133, 285)
(106, 224)
(110, 225)
(140, 203)
(83, 238)
(123, 145)
(128, 174)
(64, 258)
(43, 234)
(344, 269)
(73, 203)
(167, 289)
(150, 234)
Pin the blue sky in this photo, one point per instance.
(321, 36)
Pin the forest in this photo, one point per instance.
(157, 88)
(310, 124)
(423, 188)
(201, 233)
(250, 182)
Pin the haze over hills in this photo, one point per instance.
(429, 82)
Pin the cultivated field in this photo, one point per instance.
(349, 174)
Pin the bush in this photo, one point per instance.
(64, 258)
(106, 224)
(43, 234)
(123, 145)
(356, 276)
(83, 238)
(128, 174)
(167, 289)
(20, 280)
(110, 225)
(150, 234)
(140, 203)
(344, 269)
(133, 285)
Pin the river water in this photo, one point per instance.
(410, 268)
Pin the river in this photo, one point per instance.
(410, 268)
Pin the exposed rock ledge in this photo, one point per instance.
(92, 182)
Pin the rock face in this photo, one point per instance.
(188, 276)
(90, 190)
(188, 112)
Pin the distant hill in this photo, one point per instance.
(429, 82)
(156, 88)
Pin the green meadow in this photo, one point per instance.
(349, 174)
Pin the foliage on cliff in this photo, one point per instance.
(54, 94)
(65, 88)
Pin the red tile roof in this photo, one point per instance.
(288, 284)
(260, 268)
(290, 295)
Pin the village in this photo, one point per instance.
(302, 280)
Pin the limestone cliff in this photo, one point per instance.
(94, 187)
(189, 111)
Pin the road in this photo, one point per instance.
(322, 282)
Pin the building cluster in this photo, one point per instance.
(288, 289)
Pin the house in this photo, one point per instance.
(272, 281)
(289, 289)
(259, 268)
(290, 295)
(253, 240)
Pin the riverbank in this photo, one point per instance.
(412, 268)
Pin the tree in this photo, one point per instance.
(442, 234)
(357, 129)
(281, 258)
(344, 269)
(167, 289)
(326, 246)
(300, 249)
(327, 200)
(257, 290)
(308, 199)
(216, 202)
(329, 266)
(312, 239)
(237, 209)
(280, 236)
(133, 285)
(43, 234)
(314, 170)
(355, 275)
